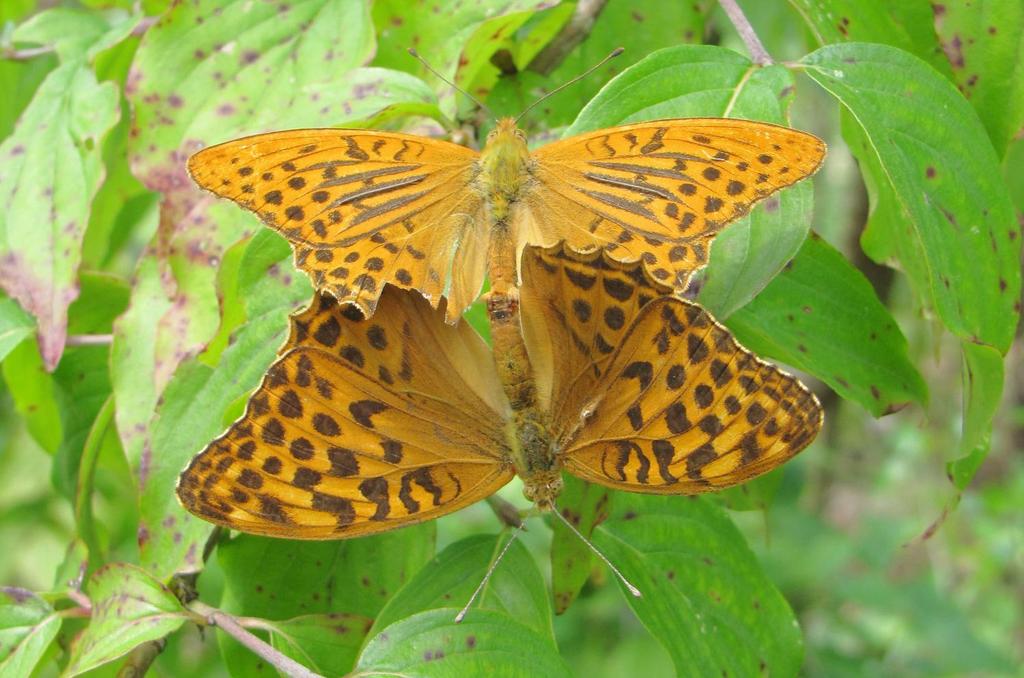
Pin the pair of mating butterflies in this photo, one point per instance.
(378, 413)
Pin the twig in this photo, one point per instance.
(140, 659)
(79, 599)
(572, 34)
(28, 53)
(32, 52)
(260, 648)
(757, 51)
(90, 339)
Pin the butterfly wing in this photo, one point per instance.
(575, 309)
(362, 425)
(661, 190)
(648, 392)
(361, 208)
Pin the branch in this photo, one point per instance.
(572, 34)
(26, 54)
(257, 645)
(757, 51)
(90, 339)
(32, 52)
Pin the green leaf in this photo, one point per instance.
(822, 316)
(82, 382)
(487, 642)
(173, 312)
(516, 588)
(190, 416)
(82, 379)
(13, 10)
(213, 70)
(182, 99)
(34, 393)
(102, 299)
(907, 25)
(15, 326)
(68, 31)
(122, 210)
(52, 169)
(129, 608)
(705, 596)
(640, 27)
(983, 387)
(28, 624)
(957, 237)
(584, 505)
(74, 33)
(281, 578)
(278, 579)
(753, 495)
(19, 80)
(191, 399)
(475, 71)
(327, 643)
(695, 81)
(984, 42)
(441, 36)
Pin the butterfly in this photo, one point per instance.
(364, 424)
(363, 208)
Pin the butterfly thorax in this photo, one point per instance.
(504, 161)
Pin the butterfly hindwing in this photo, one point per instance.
(361, 208)
(660, 191)
(686, 409)
(647, 392)
(360, 426)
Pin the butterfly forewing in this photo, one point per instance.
(660, 191)
(685, 409)
(356, 430)
(361, 208)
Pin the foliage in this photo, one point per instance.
(137, 313)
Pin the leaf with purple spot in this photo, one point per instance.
(52, 168)
(129, 607)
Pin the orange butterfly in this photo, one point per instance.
(363, 208)
(367, 424)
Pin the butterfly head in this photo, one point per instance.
(506, 144)
(542, 488)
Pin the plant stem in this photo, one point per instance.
(258, 646)
(757, 51)
(90, 339)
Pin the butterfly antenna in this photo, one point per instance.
(625, 582)
(614, 53)
(416, 55)
(490, 570)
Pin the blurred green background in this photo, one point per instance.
(889, 571)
